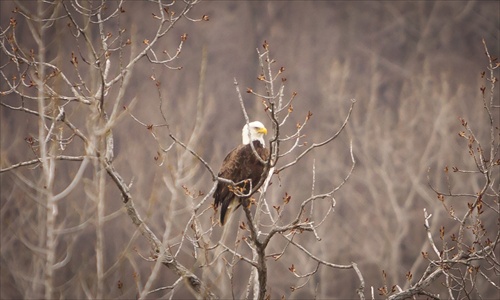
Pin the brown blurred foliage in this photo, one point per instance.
(414, 68)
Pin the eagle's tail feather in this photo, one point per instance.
(226, 210)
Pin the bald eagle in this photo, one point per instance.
(242, 167)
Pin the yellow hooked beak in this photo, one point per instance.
(262, 130)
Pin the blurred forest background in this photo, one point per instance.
(414, 68)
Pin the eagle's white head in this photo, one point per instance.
(253, 131)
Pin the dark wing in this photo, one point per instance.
(240, 164)
(228, 170)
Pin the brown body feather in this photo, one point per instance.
(240, 164)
